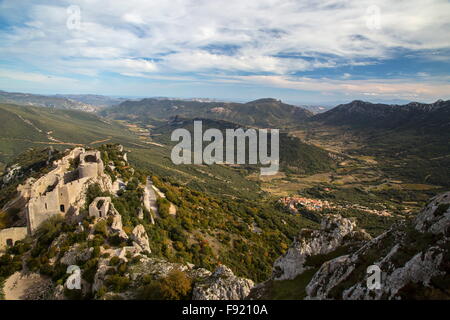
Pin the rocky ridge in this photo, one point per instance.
(414, 260)
(334, 232)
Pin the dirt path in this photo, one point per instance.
(49, 134)
(28, 122)
(155, 144)
(31, 286)
(150, 199)
(43, 142)
(100, 141)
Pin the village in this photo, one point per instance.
(295, 204)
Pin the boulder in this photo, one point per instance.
(76, 255)
(222, 285)
(140, 238)
(116, 224)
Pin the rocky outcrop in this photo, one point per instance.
(101, 274)
(140, 238)
(116, 225)
(11, 173)
(141, 270)
(334, 230)
(160, 268)
(76, 254)
(435, 218)
(222, 285)
(414, 260)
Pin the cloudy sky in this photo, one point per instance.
(297, 51)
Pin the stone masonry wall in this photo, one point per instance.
(13, 235)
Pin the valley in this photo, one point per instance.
(209, 215)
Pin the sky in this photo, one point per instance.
(303, 52)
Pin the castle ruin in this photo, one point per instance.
(101, 207)
(8, 237)
(62, 191)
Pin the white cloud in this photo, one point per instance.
(388, 88)
(167, 38)
(34, 77)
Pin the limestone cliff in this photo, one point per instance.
(334, 232)
(222, 285)
(413, 258)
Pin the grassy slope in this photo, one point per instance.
(75, 127)
(69, 127)
(295, 155)
(260, 113)
(215, 179)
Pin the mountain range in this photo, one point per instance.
(57, 102)
(434, 116)
(267, 112)
(259, 113)
(96, 100)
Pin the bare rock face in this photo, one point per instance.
(143, 268)
(435, 218)
(140, 238)
(100, 275)
(160, 268)
(76, 255)
(11, 173)
(58, 293)
(222, 285)
(413, 258)
(116, 224)
(333, 230)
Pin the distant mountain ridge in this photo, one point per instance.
(37, 100)
(266, 112)
(93, 99)
(316, 108)
(365, 114)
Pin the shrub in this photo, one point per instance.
(74, 294)
(101, 292)
(9, 265)
(122, 268)
(176, 286)
(89, 270)
(114, 261)
(117, 283)
(100, 228)
(163, 207)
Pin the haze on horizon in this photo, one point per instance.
(300, 52)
